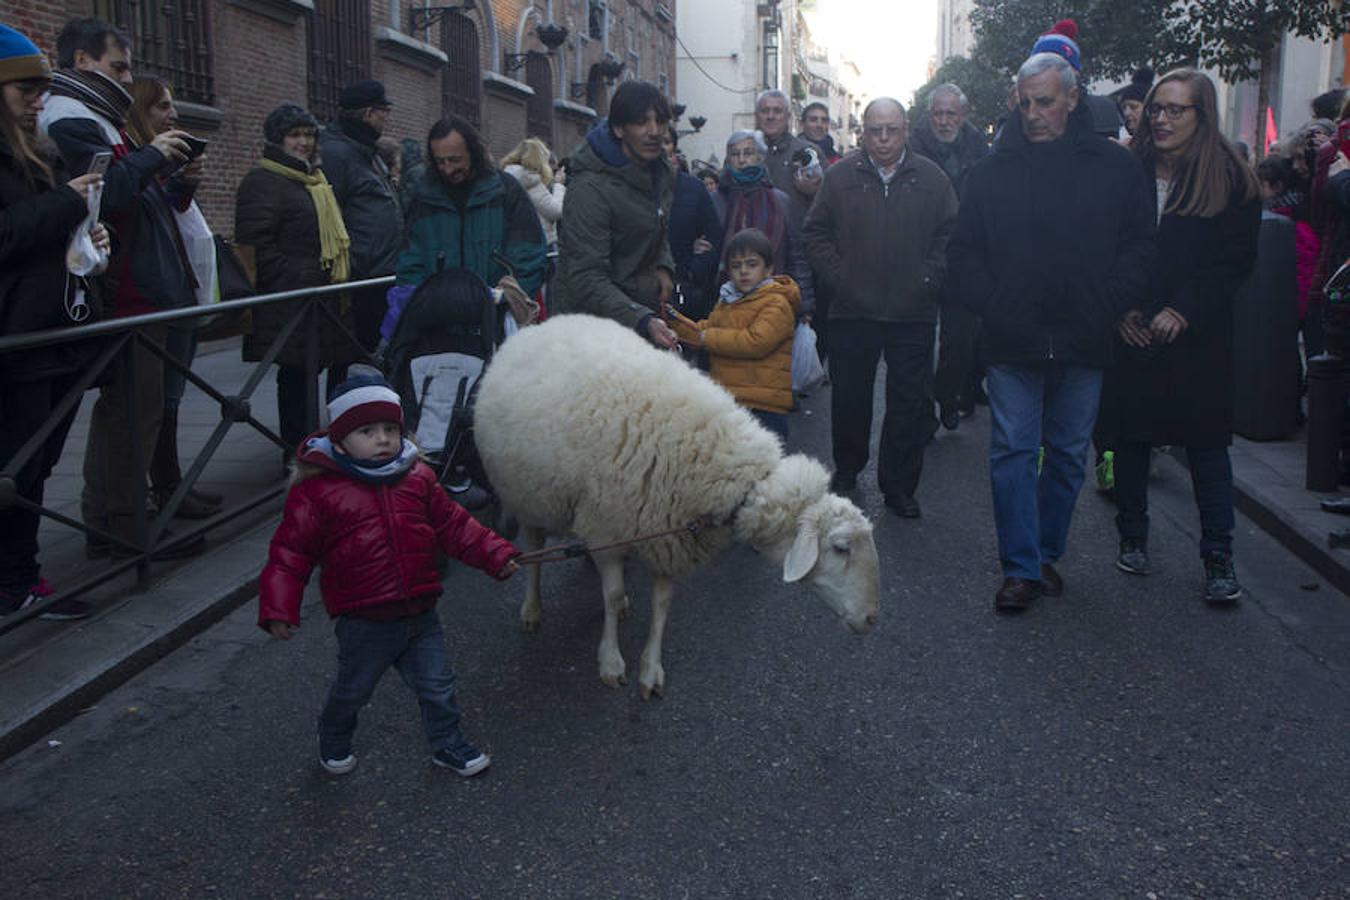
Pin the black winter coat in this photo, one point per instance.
(370, 208)
(955, 158)
(1053, 244)
(276, 216)
(36, 222)
(1182, 393)
(692, 215)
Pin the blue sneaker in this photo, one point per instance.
(466, 760)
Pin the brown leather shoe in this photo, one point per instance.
(1051, 584)
(1016, 594)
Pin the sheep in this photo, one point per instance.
(585, 429)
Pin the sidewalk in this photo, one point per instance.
(50, 671)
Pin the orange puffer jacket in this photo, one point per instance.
(750, 345)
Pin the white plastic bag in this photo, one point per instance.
(82, 257)
(807, 372)
(200, 247)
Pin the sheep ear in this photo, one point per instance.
(801, 558)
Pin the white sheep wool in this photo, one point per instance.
(585, 429)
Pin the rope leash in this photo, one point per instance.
(577, 549)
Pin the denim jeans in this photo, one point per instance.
(775, 422)
(1031, 407)
(366, 649)
(1211, 480)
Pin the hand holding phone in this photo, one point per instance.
(99, 164)
(196, 146)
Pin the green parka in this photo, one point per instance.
(613, 233)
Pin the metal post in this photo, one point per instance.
(138, 468)
(312, 367)
(1326, 412)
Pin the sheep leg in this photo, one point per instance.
(611, 582)
(532, 609)
(652, 681)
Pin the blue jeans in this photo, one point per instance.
(1031, 407)
(1211, 480)
(366, 649)
(775, 422)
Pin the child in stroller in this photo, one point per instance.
(442, 338)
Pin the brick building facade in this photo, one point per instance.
(232, 61)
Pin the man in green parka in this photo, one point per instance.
(615, 259)
(463, 212)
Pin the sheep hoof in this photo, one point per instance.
(648, 691)
(529, 626)
(615, 681)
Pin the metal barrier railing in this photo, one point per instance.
(123, 336)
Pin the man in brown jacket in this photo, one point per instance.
(877, 237)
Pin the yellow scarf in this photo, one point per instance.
(333, 238)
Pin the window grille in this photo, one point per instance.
(339, 52)
(169, 39)
(462, 82)
(539, 108)
(595, 20)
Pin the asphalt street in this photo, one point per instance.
(1120, 741)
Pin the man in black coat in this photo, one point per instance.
(948, 139)
(1055, 241)
(366, 193)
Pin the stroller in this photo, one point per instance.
(446, 334)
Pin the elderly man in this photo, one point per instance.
(877, 237)
(786, 154)
(1054, 244)
(366, 194)
(953, 143)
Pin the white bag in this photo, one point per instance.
(82, 258)
(200, 247)
(807, 372)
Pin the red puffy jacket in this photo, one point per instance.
(376, 542)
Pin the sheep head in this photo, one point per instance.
(834, 552)
(820, 538)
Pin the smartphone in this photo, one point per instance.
(196, 146)
(99, 164)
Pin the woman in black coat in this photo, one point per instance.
(278, 213)
(39, 211)
(1174, 383)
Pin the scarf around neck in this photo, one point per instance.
(370, 471)
(753, 205)
(96, 91)
(333, 238)
(729, 294)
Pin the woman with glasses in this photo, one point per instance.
(1174, 383)
(746, 198)
(39, 212)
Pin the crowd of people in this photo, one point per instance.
(1075, 271)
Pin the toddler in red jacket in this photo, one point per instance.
(364, 507)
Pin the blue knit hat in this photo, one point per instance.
(361, 400)
(1060, 40)
(20, 58)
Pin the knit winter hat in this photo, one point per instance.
(20, 58)
(1061, 41)
(1138, 87)
(281, 120)
(361, 400)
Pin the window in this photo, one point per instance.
(171, 40)
(539, 108)
(595, 20)
(339, 52)
(462, 81)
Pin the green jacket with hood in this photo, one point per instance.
(612, 238)
(497, 215)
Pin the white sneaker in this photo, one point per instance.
(338, 766)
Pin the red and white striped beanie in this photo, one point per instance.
(361, 400)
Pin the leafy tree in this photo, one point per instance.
(1240, 39)
(984, 86)
(1114, 37)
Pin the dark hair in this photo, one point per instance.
(1277, 170)
(1328, 105)
(814, 104)
(91, 36)
(633, 100)
(479, 159)
(750, 240)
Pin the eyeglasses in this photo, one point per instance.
(883, 131)
(1172, 111)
